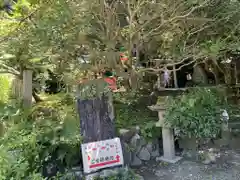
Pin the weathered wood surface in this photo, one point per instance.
(17, 88)
(27, 88)
(96, 119)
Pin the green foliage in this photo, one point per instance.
(5, 85)
(49, 133)
(131, 110)
(196, 113)
(149, 131)
(93, 88)
(122, 175)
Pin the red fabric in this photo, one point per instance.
(124, 59)
(112, 82)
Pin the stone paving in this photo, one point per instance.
(226, 167)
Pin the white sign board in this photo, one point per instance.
(101, 154)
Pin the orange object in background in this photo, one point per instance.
(112, 82)
(123, 57)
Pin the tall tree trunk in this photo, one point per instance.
(96, 118)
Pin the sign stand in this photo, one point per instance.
(100, 149)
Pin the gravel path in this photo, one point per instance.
(227, 167)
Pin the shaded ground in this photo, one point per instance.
(227, 167)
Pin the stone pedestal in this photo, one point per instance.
(168, 146)
(167, 135)
(225, 136)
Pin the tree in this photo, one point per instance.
(56, 33)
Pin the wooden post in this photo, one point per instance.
(96, 118)
(159, 81)
(175, 77)
(27, 88)
(236, 73)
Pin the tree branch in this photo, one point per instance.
(19, 24)
(173, 64)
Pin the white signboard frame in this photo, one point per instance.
(102, 154)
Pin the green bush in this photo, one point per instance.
(47, 134)
(124, 174)
(196, 113)
(5, 85)
(131, 110)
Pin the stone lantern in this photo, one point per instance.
(167, 134)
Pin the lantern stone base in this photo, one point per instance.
(167, 136)
(168, 146)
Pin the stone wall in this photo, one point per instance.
(136, 149)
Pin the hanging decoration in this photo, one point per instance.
(123, 54)
(110, 79)
(124, 58)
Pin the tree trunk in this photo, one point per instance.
(175, 77)
(96, 118)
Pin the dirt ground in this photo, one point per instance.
(226, 167)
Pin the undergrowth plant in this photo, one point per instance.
(5, 88)
(196, 113)
(46, 135)
(131, 110)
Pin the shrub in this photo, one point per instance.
(196, 113)
(49, 134)
(5, 88)
(131, 110)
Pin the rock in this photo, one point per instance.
(109, 172)
(139, 177)
(136, 143)
(126, 135)
(210, 157)
(206, 162)
(155, 154)
(149, 147)
(122, 132)
(142, 141)
(91, 176)
(199, 76)
(161, 173)
(137, 129)
(189, 154)
(153, 148)
(127, 154)
(144, 154)
(77, 168)
(78, 172)
(136, 161)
